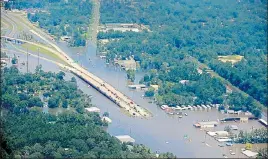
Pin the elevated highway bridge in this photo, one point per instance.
(100, 85)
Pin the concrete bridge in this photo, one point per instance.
(103, 87)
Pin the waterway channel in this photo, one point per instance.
(162, 132)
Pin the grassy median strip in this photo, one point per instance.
(43, 51)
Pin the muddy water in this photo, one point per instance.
(162, 132)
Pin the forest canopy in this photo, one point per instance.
(188, 34)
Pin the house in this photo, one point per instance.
(106, 119)
(211, 133)
(137, 86)
(65, 38)
(247, 113)
(155, 87)
(230, 111)
(127, 64)
(222, 133)
(224, 139)
(125, 138)
(209, 124)
(250, 154)
(238, 112)
(263, 122)
(234, 127)
(243, 119)
(184, 81)
(93, 109)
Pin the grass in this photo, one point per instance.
(5, 24)
(43, 51)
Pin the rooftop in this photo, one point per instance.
(208, 123)
(125, 138)
(249, 153)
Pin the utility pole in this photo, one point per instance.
(27, 60)
(38, 58)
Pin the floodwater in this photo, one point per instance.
(162, 132)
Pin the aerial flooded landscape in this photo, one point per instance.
(134, 79)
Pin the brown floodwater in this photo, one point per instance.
(162, 132)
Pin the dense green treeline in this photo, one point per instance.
(182, 29)
(27, 132)
(60, 17)
(23, 91)
(68, 135)
(256, 136)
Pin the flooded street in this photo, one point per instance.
(162, 132)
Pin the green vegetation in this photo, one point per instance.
(131, 75)
(59, 17)
(262, 153)
(23, 91)
(27, 132)
(256, 136)
(192, 29)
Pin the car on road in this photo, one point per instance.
(229, 144)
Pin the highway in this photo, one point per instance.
(99, 84)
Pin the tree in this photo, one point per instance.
(65, 103)
(248, 146)
(35, 101)
(262, 153)
(131, 75)
(73, 80)
(80, 109)
(167, 155)
(38, 68)
(60, 75)
(149, 92)
(53, 102)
